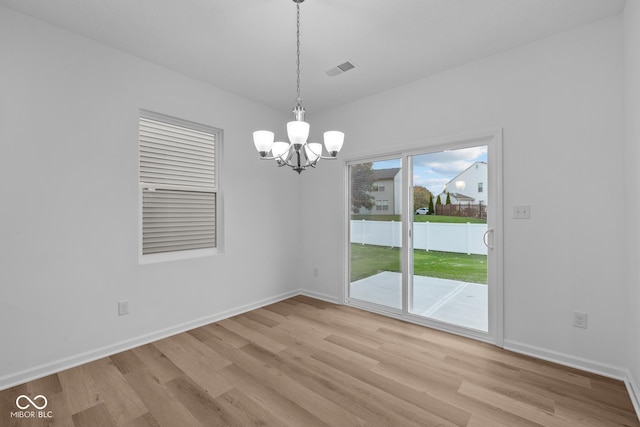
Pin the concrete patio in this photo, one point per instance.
(450, 301)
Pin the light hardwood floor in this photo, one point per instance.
(304, 362)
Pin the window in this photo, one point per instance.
(480, 187)
(178, 178)
(378, 187)
(382, 205)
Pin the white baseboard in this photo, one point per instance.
(323, 297)
(634, 392)
(89, 356)
(594, 367)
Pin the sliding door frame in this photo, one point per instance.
(370, 306)
(493, 140)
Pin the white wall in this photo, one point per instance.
(632, 156)
(559, 101)
(69, 203)
(68, 193)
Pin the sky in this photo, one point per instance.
(434, 170)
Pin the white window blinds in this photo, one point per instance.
(178, 184)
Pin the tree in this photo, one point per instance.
(421, 197)
(431, 211)
(448, 202)
(362, 179)
(438, 201)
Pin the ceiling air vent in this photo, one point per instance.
(342, 68)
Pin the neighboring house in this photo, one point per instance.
(469, 186)
(386, 185)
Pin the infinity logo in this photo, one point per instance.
(31, 402)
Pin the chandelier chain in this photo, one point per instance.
(298, 53)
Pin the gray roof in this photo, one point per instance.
(461, 197)
(385, 173)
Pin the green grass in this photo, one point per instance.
(368, 260)
(422, 218)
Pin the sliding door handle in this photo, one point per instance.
(485, 238)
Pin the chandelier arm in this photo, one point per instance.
(281, 157)
(319, 156)
(287, 160)
(327, 158)
(271, 158)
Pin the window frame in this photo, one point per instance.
(217, 190)
(383, 205)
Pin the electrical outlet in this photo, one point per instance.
(522, 212)
(580, 320)
(123, 308)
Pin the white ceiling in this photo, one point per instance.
(248, 47)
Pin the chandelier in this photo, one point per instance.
(298, 153)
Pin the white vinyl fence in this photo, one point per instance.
(463, 238)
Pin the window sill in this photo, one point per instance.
(177, 256)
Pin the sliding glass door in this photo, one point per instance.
(375, 261)
(424, 233)
(448, 276)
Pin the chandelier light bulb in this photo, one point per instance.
(313, 150)
(279, 149)
(298, 132)
(333, 141)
